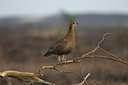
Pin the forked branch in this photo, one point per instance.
(84, 80)
(88, 55)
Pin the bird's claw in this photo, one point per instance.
(60, 63)
(63, 60)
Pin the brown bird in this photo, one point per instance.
(65, 45)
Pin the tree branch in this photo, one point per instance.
(84, 80)
(88, 55)
(18, 75)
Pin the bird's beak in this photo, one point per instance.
(76, 23)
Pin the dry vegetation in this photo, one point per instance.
(21, 49)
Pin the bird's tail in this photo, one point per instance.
(50, 52)
(47, 54)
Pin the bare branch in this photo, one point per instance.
(106, 57)
(103, 38)
(59, 70)
(18, 75)
(88, 55)
(108, 53)
(84, 80)
(39, 83)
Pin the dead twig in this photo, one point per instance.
(84, 80)
(18, 75)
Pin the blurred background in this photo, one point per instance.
(29, 27)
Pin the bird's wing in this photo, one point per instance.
(62, 46)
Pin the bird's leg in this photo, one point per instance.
(63, 59)
(59, 59)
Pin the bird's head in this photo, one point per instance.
(73, 24)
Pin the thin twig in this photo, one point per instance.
(104, 51)
(84, 80)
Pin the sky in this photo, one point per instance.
(51, 7)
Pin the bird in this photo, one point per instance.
(63, 46)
